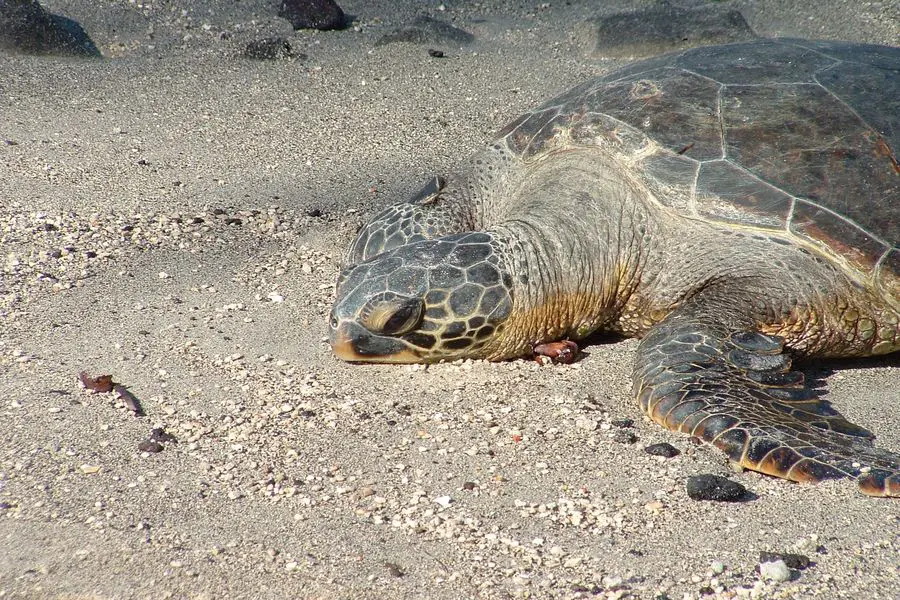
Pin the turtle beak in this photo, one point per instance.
(353, 343)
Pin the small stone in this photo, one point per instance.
(158, 434)
(444, 501)
(150, 446)
(394, 569)
(793, 561)
(469, 486)
(89, 469)
(714, 487)
(717, 567)
(776, 571)
(664, 449)
(623, 423)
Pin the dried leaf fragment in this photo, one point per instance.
(99, 384)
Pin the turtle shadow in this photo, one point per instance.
(598, 339)
(826, 367)
(819, 371)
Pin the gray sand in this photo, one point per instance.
(296, 475)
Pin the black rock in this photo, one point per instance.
(158, 434)
(663, 449)
(793, 561)
(623, 423)
(313, 14)
(26, 27)
(714, 487)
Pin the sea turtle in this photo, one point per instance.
(733, 206)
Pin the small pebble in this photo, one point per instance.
(150, 446)
(663, 449)
(714, 487)
(623, 423)
(776, 571)
(444, 501)
(158, 434)
(793, 561)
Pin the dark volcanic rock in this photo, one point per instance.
(425, 30)
(714, 487)
(26, 27)
(663, 29)
(662, 449)
(313, 14)
(793, 561)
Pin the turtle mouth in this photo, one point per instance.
(352, 343)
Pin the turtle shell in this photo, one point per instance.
(792, 135)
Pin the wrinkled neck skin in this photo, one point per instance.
(572, 275)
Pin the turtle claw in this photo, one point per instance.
(565, 351)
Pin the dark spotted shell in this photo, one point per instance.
(792, 135)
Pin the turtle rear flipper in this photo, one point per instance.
(734, 390)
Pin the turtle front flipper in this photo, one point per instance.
(735, 390)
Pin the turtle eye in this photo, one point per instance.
(395, 316)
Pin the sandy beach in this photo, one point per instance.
(175, 214)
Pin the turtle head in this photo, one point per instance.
(423, 302)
